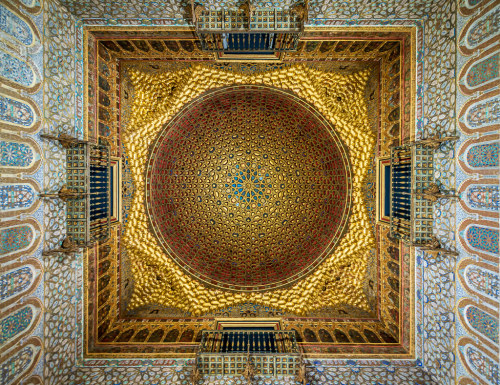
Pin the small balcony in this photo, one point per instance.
(413, 192)
(230, 352)
(249, 29)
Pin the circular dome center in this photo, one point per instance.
(248, 188)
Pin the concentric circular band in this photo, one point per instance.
(248, 188)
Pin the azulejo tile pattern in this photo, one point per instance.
(483, 155)
(16, 112)
(31, 3)
(16, 70)
(484, 113)
(483, 71)
(483, 366)
(482, 238)
(15, 323)
(20, 208)
(437, 56)
(59, 71)
(14, 26)
(20, 361)
(483, 322)
(437, 17)
(480, 30)
(16, 196)
(19, 154)
(484, 197)
(16, 365)
(59, 98)
(478, 246)
(15, 282)
(14, 154)
(15, 238)
(479, 154)
(439, 39)
(484, 28)
(480, 321)
(479, 238)
(483, 281)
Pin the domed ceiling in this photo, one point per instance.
(248, 188)
(179, 259)
(172, 230)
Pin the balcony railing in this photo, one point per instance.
(236, 341)
(88, 216)
(100, 193)
(250, 29)
(228, 352)
(401, 191)
(411, 173)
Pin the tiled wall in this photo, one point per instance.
(478, 116)
(21, 211)
(41, 89)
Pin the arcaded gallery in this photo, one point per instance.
(282, 192)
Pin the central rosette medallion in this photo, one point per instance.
(248, 188)
(249, 185)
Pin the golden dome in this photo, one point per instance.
(248, 188)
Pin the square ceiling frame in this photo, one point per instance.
(93, 348)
